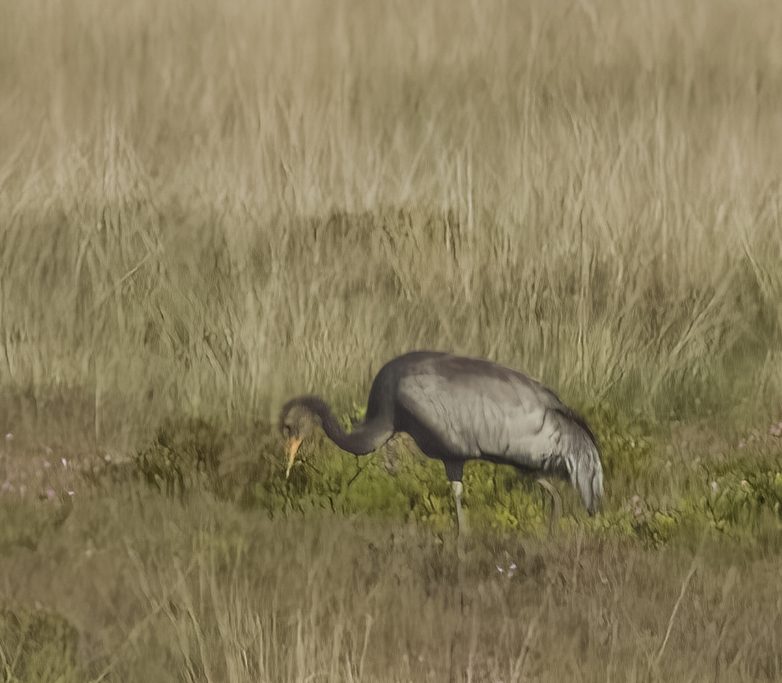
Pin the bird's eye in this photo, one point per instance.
(286, 432)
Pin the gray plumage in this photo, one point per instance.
(458, 409)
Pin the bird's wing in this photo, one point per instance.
(505, 419)
(476, 417)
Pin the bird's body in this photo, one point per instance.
(458, 409)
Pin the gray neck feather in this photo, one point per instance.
(366, 438)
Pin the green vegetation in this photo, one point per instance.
(181, 455)
(206, 208)
(37, 646)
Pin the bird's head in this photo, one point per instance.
(296, 424)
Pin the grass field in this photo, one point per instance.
(206, 208)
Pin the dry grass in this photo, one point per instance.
(215, 594)
(206, 207)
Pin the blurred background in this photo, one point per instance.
(206, 207)
(209, 207)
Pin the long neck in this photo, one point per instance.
(366, 438)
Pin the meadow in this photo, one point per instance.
(207, 208)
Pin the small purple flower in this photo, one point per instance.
(64, 462)
(47, 464)
(500, 569)
(741, 443)
(6, 485)
(513, 565)
(635, 499)
(50, 494)
(70, 493)
(9, 436)
(714, 486)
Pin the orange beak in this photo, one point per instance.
(290, 450)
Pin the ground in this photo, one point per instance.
(209, 208)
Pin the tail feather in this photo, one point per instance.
(581, 460)
(587, 477)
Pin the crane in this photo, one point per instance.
(457, 409)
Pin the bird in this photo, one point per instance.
(456, 409)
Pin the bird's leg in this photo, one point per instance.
(457, 496)
(556, 509)
(461, 527)
(454, 469)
